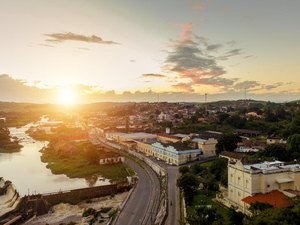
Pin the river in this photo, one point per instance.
(30, 175)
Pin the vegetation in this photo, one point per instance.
(201, 180)
(82, 155)
(204, 210)
(227, 142)
(283, 152)
(7, 145)
(189, 184)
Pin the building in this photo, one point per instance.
(175, 153)
(259, 179)
(208, 146)
(247, 133)
(124, 137)
(275, 140)
(166, 138)
(144, 147)
(112, 160)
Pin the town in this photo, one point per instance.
(206, 162)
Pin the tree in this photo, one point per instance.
(258, 207)
(236, 121)
(276, 150)
(92, 155)
(189, 184)
(204, 215)
(184, 169)
(219, 169)
(293, 146)
(234, 217)
(274, 217)
(227, 142)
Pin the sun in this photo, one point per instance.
(67, 96)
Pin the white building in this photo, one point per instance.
(260, 178)
(175, 154)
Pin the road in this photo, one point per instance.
(143, 204)
(173, 196)
(173, 193)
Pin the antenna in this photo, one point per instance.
(245, 94)
(205, 103)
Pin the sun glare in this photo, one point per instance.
(66, 96)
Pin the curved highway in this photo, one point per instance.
(142, 206)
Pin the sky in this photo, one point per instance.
(137, 50)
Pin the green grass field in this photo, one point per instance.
(78, 167)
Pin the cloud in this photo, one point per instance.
(47, 45)
(196, 61)
(246, 85)
(233, 52)
(218, 81)
(214, 47)
(62, 37)
(153, 75)
(19, 91)
(251, 85)
(199, 6)
(184, 86)
(273, 86)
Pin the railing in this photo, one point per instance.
(161, 172)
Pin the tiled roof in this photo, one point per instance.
(233, 155)
(275, 198)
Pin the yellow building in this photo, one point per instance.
(260, 178)
(207, 146)
(144, 147)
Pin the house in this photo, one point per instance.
(275, 140)
(274, 198)
(144, 147)
(208, 146)
(253, 114)
(175, 153)
(247, 133)
(250, 182)
(111, 160)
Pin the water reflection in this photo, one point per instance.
(30, 175)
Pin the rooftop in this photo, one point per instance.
(269, 166)
(275, 198)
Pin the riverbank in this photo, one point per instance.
(81, 160)
(83, 212)
(7, 144)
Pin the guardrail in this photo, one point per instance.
(161, 172)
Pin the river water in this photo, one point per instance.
(30, 175)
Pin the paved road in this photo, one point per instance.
(144, 200)
(173, 196)
(143, 204)
(173, 193)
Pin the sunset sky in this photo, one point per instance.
(130, 50)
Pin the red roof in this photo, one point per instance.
(275, 198)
